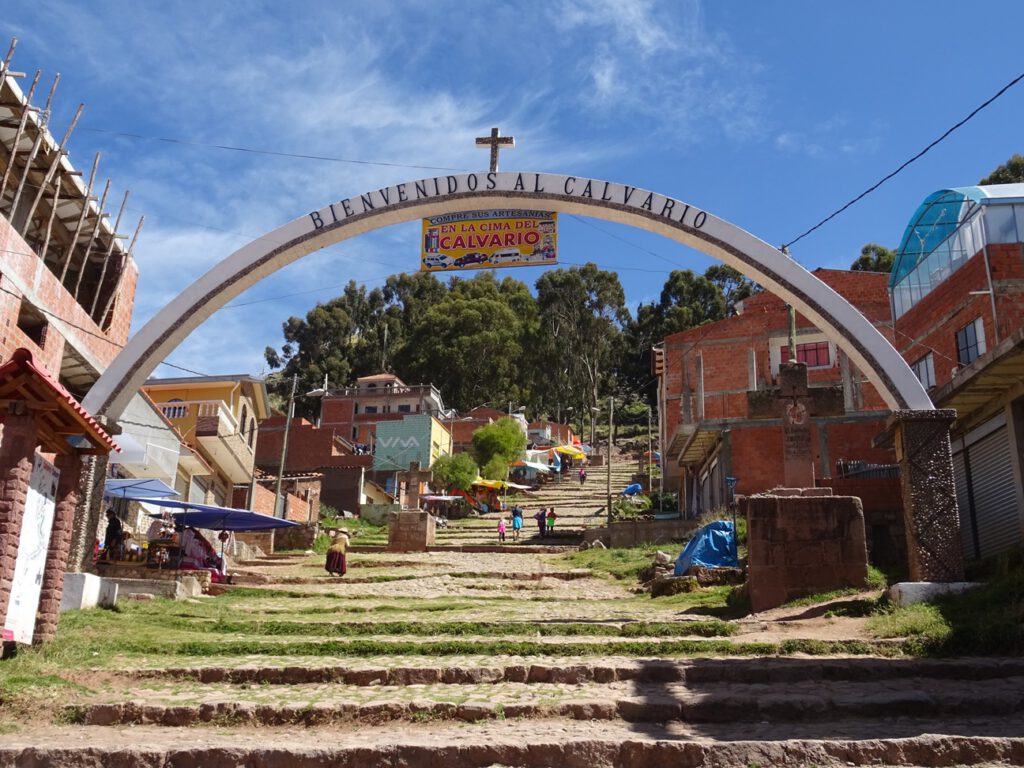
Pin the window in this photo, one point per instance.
(814, 354)
(370, 409)
(924, 369)
(355, 408)
(405, 409)
(32, 323)
(970, 342)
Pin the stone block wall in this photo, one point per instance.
(410, 531)
(802, 545)
(633, 533)
(298, 537)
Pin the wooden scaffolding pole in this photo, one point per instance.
(92, 238)
(107, 255)
(52, 170)
(81, 218)
(120, 275)
(5, 65)
(53, 212)
(19, 133)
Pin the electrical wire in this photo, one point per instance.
(919, 155)
(270, 152)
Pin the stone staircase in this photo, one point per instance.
(578, 507)
(510, 658)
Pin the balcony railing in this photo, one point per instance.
(213, 417)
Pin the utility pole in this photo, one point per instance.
(650, 453)
(278, 500)
(611, 406)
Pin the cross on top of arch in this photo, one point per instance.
(495, 141)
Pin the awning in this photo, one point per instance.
(534, 465)
(699, 444)
(435, 497)
(216, 518)
(148, 488)
(496, 484)
(571, 451)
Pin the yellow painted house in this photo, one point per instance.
(218, 418)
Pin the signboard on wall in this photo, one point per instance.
(40, 506)
(487, 239)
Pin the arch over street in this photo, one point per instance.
(434, 196)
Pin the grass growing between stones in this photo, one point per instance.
(615, 564)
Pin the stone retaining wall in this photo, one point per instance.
(633, 533)
(802, 545)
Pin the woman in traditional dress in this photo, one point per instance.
(336, 554)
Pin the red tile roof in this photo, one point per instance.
(22, 379)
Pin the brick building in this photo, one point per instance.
(958, 304)
(714, 379)
(355, 411)
(67, 287)
(315, 450)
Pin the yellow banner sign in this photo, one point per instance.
(486, 239)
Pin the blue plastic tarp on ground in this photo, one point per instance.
(632, 490)
(710, 547)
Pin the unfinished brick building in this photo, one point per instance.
(717, 378)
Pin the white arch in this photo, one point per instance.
(352, 216)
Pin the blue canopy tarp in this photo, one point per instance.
(711, 547)
(216, 518)
(632, 490)
(136, 488)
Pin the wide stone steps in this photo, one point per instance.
(643, 692)
(531, 744)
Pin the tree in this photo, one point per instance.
(582, 311)
(496, 468)
(454, 472)
(468, 348)
(1010, 172)
(503, 438)
(874, 258)
(735, 286)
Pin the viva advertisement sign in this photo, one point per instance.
(494, 238)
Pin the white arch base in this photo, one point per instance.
(621, 203)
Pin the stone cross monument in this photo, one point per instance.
(495, 142)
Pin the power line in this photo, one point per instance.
(919, 155)
(270, 152)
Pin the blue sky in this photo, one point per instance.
(769, 115)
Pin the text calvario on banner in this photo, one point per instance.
(485, 239)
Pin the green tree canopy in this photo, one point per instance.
(1010, 172)
(503, 438)
(582, 311)
(454, 472)
(496, 468)
(874, 258)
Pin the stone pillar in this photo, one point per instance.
(797, 460)
(87, 517)
(18, 443)
(48, 612)
(930, 513)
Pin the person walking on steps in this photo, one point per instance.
(517, 522)
(541, 517)
(583, 476)
(501, 530)
(551, 521)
